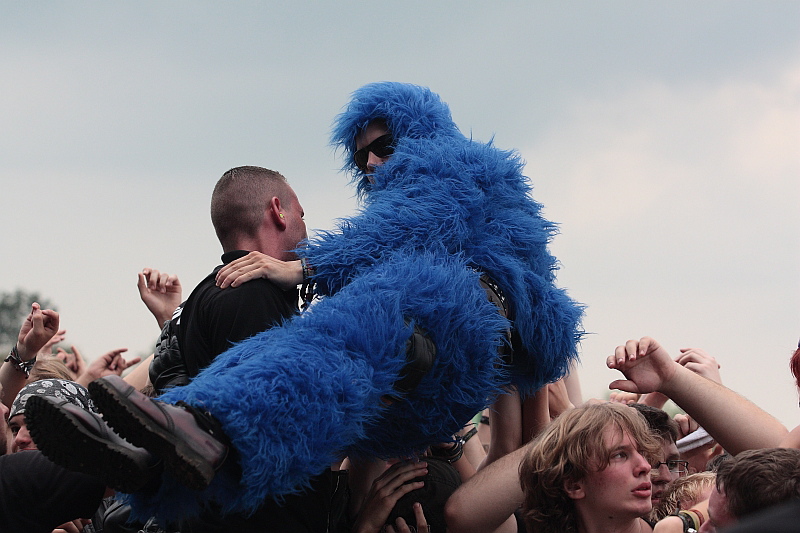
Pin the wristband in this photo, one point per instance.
(469, 434)
(19, 364)
(692, 520)
(308, 270)
(451, 454)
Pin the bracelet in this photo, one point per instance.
(451, 454)
(469, 434)
(308, 270)
(692, 520)
(19, 364)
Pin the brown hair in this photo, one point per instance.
(567, 451)
(757, 479)
(239, 200)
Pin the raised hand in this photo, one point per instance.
(73, 360)
(160, 292)
(646, 365)
(39, 327)
(384, 493)
(106, 365)
(700, 362)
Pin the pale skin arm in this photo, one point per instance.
(573, 384)
(139, 377)
(792, 439)
(39, 327)
(488, 500)
(506, 426)
(648, 367)
(285, 274)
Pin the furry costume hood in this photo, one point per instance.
(410, 111)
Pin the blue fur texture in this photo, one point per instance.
(442, 209)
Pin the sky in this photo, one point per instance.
(662, 137)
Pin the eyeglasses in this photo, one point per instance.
(383, 146)
(676, 467)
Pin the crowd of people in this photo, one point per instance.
(91, 447)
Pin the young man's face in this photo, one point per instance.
(295, 225)
(373, 131)
(22, 438)
(718, 514)
(661, 476)
(622, 489)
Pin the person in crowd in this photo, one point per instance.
(671, 466)
(589, 471)
(685, 493)
(38, 327)
(339, 372)
(780, 518)
(752, 481)
(60, 389)
(252, 209)
(486, 503)
(49, 367)
(36, 495)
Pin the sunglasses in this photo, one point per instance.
(383, 146)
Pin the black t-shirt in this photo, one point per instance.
(37, 495)
(211, 320)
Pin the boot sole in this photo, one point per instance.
(136, 426)
(64, 440)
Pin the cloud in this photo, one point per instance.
(677, 205)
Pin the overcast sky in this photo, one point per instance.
(664, 138)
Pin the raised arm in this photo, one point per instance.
(487, 501)
(734, 421)
(39, 327)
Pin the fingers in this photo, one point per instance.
(625, 385)
(141, 282)
(686, 424)
(623, 397)
(154, 280)
(398, 474)
(419, 515)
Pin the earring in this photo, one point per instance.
(280, 215)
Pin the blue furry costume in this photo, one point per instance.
(440, 211)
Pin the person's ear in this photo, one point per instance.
(574, 489)
(276, 212)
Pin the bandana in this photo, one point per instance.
(56, 388)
